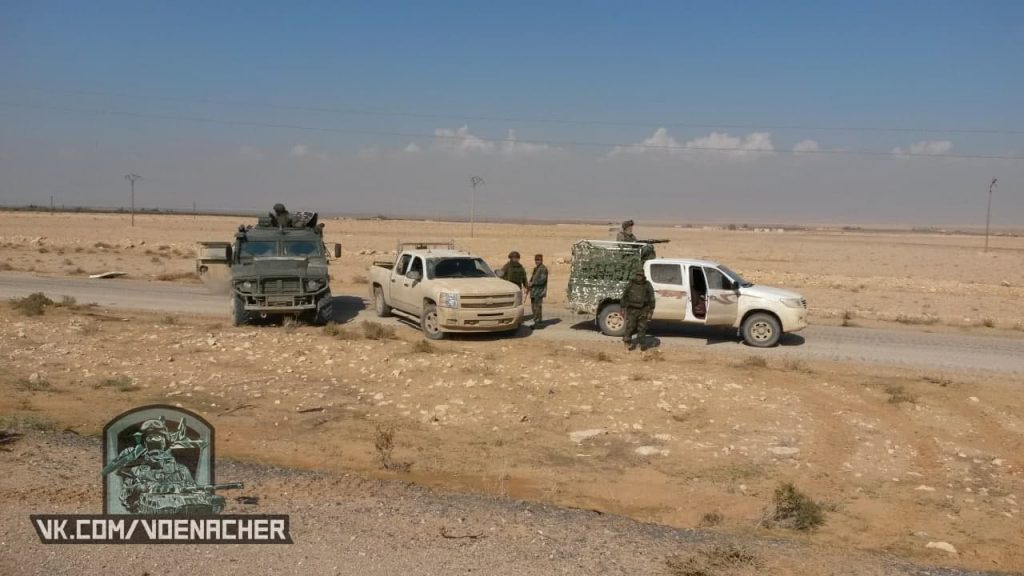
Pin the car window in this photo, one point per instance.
(251, 249)
(666, 274)
(301, 248)
(403, 263)
(458, 268)
(416, 266)
(717, 280)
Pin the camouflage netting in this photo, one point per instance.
(600, 270)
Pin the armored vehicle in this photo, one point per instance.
(182, 500)
(686, 290)
(277, 271)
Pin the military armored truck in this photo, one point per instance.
(445, 290)
(277, 272)
(686, 290)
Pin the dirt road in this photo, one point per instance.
(909, 348)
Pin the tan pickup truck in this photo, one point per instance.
(445, 290)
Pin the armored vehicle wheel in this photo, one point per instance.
(761, 330)
(239, 316)
(379, 304)
(612, 320)
(431, 323)
(325, 311)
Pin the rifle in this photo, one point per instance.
(655, 241)
(215, 487)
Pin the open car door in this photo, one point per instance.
(212, 254)
(723, 298)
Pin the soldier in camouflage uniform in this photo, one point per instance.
(538, 289)
(637, 305)
(281, 217)
(157, 471)
(626, 234)
(514, 272)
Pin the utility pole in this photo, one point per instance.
(988, 215)
(131, 179)
(474, 181)
(51, 203)
(194, 215)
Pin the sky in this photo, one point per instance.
(897, 113)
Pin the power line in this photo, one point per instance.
(533, 120)
(456, 137)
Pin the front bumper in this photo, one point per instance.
(483, 320)
(794, 321)
(281, 302)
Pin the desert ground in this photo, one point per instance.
(913, 463)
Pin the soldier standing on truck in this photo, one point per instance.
(281, 216)
(638, 304)
(626, 234)
(513, 271)
(538, 289)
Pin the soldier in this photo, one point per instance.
(513, 271)
(157, 471)
(281, 216)
(538, 289)
(626, 234)
(637, 304)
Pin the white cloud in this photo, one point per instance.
(926, 148)
(806, 146)
(460, 142)
(723, 144)
(299, 150)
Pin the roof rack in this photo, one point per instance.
(450, 244)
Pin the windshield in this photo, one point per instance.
(744, 283)
(301, 248)
(458, 268)
(251, 249)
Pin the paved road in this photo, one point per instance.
(949, 351)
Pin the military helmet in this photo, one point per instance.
(154, 427)
(627, 224)
(513, 254)
(279, 208)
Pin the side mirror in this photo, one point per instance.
(734, 285)
(337, 250)
(414, 275)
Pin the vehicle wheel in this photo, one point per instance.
(761, 330)
(611, 320)
(379, 304)
(431, 323)
(325, 310)
(239, 316)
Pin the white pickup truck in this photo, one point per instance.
(686, 290)
(445, 290)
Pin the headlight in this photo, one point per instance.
(794, 302)
(313, 285)
(448, 300)
(245, 286)
(519, 298)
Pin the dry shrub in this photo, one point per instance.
(377, 331)
(711, 561)
(169, 320)
(848, 318)
(755, 362)
(360, 279)
(711, 519)
(5, 266)
(923, 319)
(424, 347)
(120, 383)
(796, 365)
(34, 385)
(337, 331)
(384, 443)
(32, 305)
(599, 355)
(987, 323)
(899, 395)
(793, 509)
(29, 422)
(653, 356)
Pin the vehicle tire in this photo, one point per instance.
(379, 304)
(431, 323)
(611, 320)
(239, 316)
(761, 330)
(324, 310)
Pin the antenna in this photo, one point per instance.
(131, 179)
